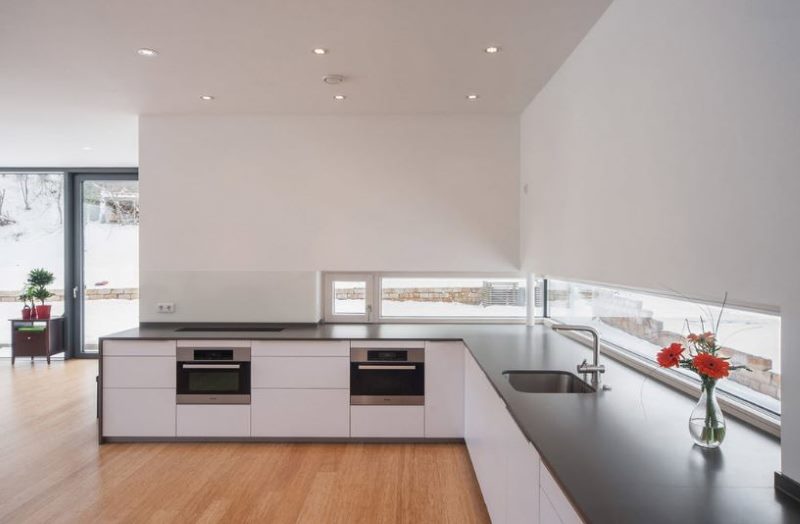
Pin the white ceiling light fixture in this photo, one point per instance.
(473, 96)
(87, 148)
(207, 98)
(492, 50)
(320, 51)
(339, 98)
(147, 52)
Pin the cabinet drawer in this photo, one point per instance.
(138, 412)
(387, 421)
(30, 343)
(301, 413)
(139, 348)
(301, 348)
(139, 372)
(195, 420)
(301, 372)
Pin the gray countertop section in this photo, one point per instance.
(622, 456)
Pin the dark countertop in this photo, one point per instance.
(622, 456)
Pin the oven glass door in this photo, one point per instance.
(387, 383)
(213, 382)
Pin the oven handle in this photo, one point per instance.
(392, 368)
(211, 366)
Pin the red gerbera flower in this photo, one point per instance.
(711, 366)
(670, 356)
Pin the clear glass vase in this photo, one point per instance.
(706, 424)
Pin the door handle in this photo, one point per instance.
(75, 292)
(211, 366)
(392, 368)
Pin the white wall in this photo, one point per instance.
(665, 153)
(228, 194)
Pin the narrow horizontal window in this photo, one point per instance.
(450, 298)
(641, 323)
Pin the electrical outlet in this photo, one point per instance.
(166, 307)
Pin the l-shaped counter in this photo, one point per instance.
(622, 456)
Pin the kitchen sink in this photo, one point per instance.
(547, 382)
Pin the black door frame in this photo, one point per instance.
(73, 265)
(73, 248)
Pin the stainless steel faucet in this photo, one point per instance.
(595, 369)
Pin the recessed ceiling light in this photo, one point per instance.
(492, 49)
(333, 79)
(206, 97)
(473, 96)
(339, 97)
(87, 148)
(320, 51)
(147, 52)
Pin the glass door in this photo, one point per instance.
(32, 225)
(106, 290)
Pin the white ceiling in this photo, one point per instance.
(71, 77)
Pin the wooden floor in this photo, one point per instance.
(52, 469)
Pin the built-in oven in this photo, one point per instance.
(213, 375)
(387, 376)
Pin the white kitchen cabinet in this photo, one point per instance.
(387, 421)
(506, 463)
(139, 348)
(213, 420)
(484, 435)
(300, 372)
(300, 413)
(547, 513)
(561, 504)
(523, 477)
(301, 348)
(138, 412)
(444, 389)
(139, 372)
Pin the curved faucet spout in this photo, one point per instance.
(595, 369)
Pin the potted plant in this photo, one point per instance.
(38, 280)
(25, 296)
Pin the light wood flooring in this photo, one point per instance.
(53, 470)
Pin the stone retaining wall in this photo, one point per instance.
(461, 295)
(122, 293)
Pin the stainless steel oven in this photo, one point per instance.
(213, 375)
(387, 376)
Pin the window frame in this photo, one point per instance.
(71, 249)
(369, 298)
(732, 405)
(377, 303)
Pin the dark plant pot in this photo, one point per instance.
(43, 312)
(26, 313)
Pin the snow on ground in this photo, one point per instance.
(111, 251)
(36, 239)
(410, 308)
(103, 317)
(438, 283)
(749, 332)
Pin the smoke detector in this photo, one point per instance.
(333, 79)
